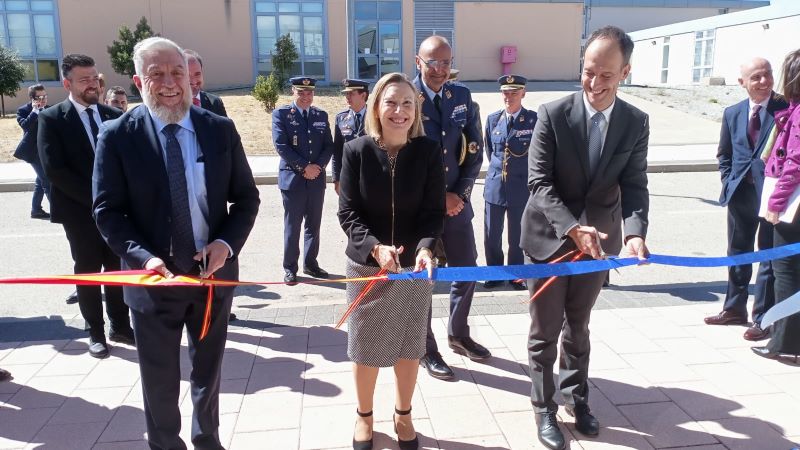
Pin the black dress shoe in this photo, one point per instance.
(98, 349)
(412, 444)
(290, 278)
(316, 272)
(518, 285)
(363, 445)
(765, 352)
(436, 366)
(232, 317)
(491, 284)
(469, 348)
(123, 336)
(585, 422)
(40, 215)
(5, 375)
(72, 298)
(549, 433)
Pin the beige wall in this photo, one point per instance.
(337, 40)
(407, 28)
(547, 36)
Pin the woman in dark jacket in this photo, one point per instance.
(392, 207)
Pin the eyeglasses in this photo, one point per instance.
(437, 64)
(40, 97)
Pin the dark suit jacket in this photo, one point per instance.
(68, 158)
(26, 149)
(212, 103)
(736, 158)
(562, 189)
(132, 205)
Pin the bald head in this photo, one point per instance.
(434, 59)
(756, 78)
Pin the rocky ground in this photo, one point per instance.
(704, 101)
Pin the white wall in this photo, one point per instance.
(633, 18)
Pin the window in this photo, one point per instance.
(665, 60)
(29, 27)
(304, 21)
(377, 37)
(703, 55)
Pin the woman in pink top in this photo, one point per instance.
(784, 164)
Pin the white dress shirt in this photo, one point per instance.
(85, 119)
(604, 124)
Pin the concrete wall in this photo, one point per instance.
(633, 18)
(547, 37)
(337, 30)
(732, 45)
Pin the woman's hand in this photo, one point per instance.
(425, 261)
(772, 217)
(388, 257)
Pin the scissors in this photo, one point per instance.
(204, 264)
(603, 254)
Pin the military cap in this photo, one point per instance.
(511, 82)
(306, 83)
(352, 84)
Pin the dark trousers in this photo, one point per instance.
(459, 246)
(302, 205)
(158, 342)
(745, 228)
(91, 254)
(786, 332)
(493, 225)
(40, 188)
(564, 308)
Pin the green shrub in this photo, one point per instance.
(266, 91)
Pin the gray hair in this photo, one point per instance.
(150, 44)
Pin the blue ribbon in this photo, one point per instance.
(527, 271)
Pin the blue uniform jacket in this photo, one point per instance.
(345, 131)
(513, 191)
(300, 143)
(459, 115)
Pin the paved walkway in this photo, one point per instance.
(660, 379)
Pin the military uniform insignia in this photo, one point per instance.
(521, 118)
(472, 147)
(448, 94)
(292, 110)
(424, 117)
(294, 140)
(346, 83)
(306, 81)
(509, 79)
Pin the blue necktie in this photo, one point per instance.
(183, 249)
(595, 142)
(92, 124)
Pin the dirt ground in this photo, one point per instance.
(254, 124)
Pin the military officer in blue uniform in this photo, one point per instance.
(508, 135)
(350, 122)
(302, 138)
(449, 116)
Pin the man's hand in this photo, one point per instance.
(453, 204)
(587, 239)
(158, 265)
(336, 187)
(388, 257)
(636, 247)
(311, 171)
(216, 254)
(772, 217)
(425, 261)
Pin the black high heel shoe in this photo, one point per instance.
(362, 445)
(413, 444)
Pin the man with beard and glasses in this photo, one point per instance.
(67, 139)
(173, 193)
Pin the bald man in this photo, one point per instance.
(745, 129)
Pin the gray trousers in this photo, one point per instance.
(562, 309)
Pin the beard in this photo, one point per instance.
(167, 114)
(89, 97)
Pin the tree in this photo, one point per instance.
(121, 51)
(283, 58)
(266, 91)
(12, 74)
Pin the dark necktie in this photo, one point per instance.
(196, 101)
(437, 102)
(305, 115)
(754, 126)
(92, 124)
(595, 141)
(357, 123)
(183, 249)
(509, 124)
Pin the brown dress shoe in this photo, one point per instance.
(756, 333)
(726, 318)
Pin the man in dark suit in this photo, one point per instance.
(744, 133)
(349, 124)
(200, 97)
(173, 193)
(451, 117)
(587, 180)
(28, 120)
(508, 136)
(302, 137)
(67, 139)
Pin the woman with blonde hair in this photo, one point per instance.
(392, 208)
(784, 165)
